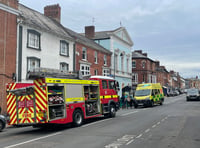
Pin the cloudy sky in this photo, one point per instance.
(168, 30)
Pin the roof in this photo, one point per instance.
(108, 34)
(137, 55)
(40, 21)
(86, 41)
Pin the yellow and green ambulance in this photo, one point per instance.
(148, 94)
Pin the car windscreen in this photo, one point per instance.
(192, 92)
(143, 92)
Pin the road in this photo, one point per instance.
(175, 124)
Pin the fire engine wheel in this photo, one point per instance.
(112, 111)
(77, 118)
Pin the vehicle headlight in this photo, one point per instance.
(147, 98)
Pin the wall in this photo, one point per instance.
(50, 52)
(90, 59)
(8, 43)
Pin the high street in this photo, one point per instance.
(173, 125)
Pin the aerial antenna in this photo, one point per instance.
(93, 20)
(120, 24)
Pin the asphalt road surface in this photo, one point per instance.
(175, 124)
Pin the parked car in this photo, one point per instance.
(2, 122)
(193, 94)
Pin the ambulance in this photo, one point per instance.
(148, 94)
(56, 97)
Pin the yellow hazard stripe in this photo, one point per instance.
(71, 81)
(108, 96)
(74, 99)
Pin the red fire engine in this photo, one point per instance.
(58, 97)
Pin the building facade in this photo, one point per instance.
(8, 43)
(91, 58)
(120, 44)
(42, 42)
(143, 69)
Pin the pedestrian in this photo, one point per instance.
(122, 100)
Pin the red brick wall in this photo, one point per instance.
(8, 45)
(143, 72)
(90, 59)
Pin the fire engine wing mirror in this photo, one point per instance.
(117, 86)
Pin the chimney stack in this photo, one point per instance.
(53, 11)
(145, 54)
(90, 31)
(138, 51)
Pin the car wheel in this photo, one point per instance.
(2, 125)
(77, 118)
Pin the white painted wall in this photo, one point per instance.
(50, 51)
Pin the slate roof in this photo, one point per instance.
(137, 55)
(41, 22)
(86, 41)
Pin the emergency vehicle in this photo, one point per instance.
(148, 94)
(60, 98)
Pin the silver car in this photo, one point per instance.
(192, 94)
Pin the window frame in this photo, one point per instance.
(84, 53)
(96, 57)
(107, 73)
(86, 70)
(105, 60)
(32, 58)
(66, 53)
(65, 64)
(36, 33)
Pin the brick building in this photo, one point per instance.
(162, 74)
(91, 58)
(143, 68)
(8, 44)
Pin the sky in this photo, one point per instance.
(167, 30)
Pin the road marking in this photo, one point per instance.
(154, 126)
(33, 140)
(158, 123)
(130, 142)
(129, 113)
(147, 130)
(139, 136)
(96, 122)
(163, 120)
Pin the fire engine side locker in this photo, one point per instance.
(56, 101)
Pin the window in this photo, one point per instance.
(33, 39)
(111, 84)
(127, 64)
(96, 72)
(64, 48)
(104, 84)
(143, 64)
(122, 63)
(105, 60)
(135, 78)
(64, 66)
(32, 63)
(106, 72)
(84, 53)
(85, 69)
(134, 64)
(95, 57)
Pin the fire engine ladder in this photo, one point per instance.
(55, 73)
